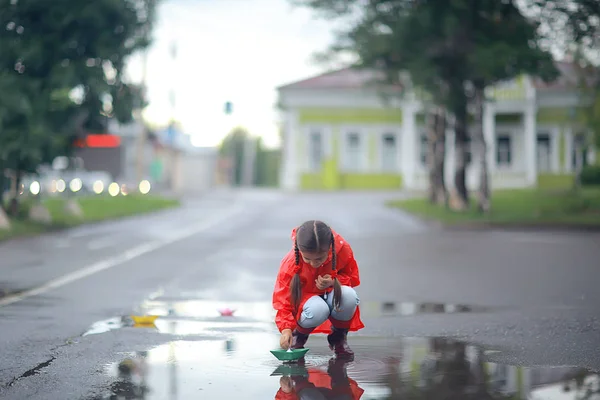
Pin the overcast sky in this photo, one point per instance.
(228, 50)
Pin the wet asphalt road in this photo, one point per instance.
(534, 296)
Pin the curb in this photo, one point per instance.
(553, 227)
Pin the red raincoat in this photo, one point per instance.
(347, 275)
(321, 379)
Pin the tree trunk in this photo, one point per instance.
(578, 160)
(3, 182)
(483, 195)
(436, 154)
(460, 196)
(430, 123)
(14, 201)
(440, 157)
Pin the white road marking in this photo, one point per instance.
(119, 259)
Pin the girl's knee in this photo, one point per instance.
(349, 297)
(314, 312)
(348, 305)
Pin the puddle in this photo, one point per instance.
(408, 368)
(264, 310)
(203, 317)
(219, 356)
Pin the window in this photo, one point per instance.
(315, 150)
(354, 153)
(543, 152)
(423, 150)
(389, 152)
(579, 147)
(503, 150)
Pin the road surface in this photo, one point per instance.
(516, 298)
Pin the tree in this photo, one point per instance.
(61, 68)
(567, 24)
(504, 47)
(390, 36)
(267, 165)
(233, 147)
(573, 29)
(451, 50)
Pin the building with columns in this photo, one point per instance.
(342, 132)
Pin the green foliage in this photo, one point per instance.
(590, 175)
(442, 45)
(568, 24)
(519, 208)
(233, 147)
(506, 46)
(266, 162)
(61, 73)
(95, 208)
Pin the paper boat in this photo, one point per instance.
(144, 319)
(285, 355)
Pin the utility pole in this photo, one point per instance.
(230, 159)
(172, 95)
(173, 156)
(249, 158)
(143, 135)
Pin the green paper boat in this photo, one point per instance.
(286, 355)
(290, 370)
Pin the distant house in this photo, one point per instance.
(341, 133)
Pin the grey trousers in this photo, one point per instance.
(317, 310)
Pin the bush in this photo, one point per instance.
(590, 175)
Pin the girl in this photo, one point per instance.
(316, 384)
(314, 289)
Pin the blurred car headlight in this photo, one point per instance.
(145, 187)
(35, 188)
(98, 187)
(113, 189)
(76, 185)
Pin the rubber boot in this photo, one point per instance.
(298, 339)
(337, 371)
(339, 344)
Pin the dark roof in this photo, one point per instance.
(569, 77)
(353, 78)
(346, 78)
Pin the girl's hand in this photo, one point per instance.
(285, 341)
(323, 282)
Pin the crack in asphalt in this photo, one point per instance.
(31, 372)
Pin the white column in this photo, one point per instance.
(592, 155)
(530, 144)
(410, 153)
(290, 168)
(569, 148)
(489, 134)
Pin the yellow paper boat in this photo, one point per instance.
(144, 319)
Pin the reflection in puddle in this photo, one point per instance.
(409, 368)
(232, 360)
(264, 310)
(210, 317)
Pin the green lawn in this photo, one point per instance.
(95, 208)
(518, 207)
